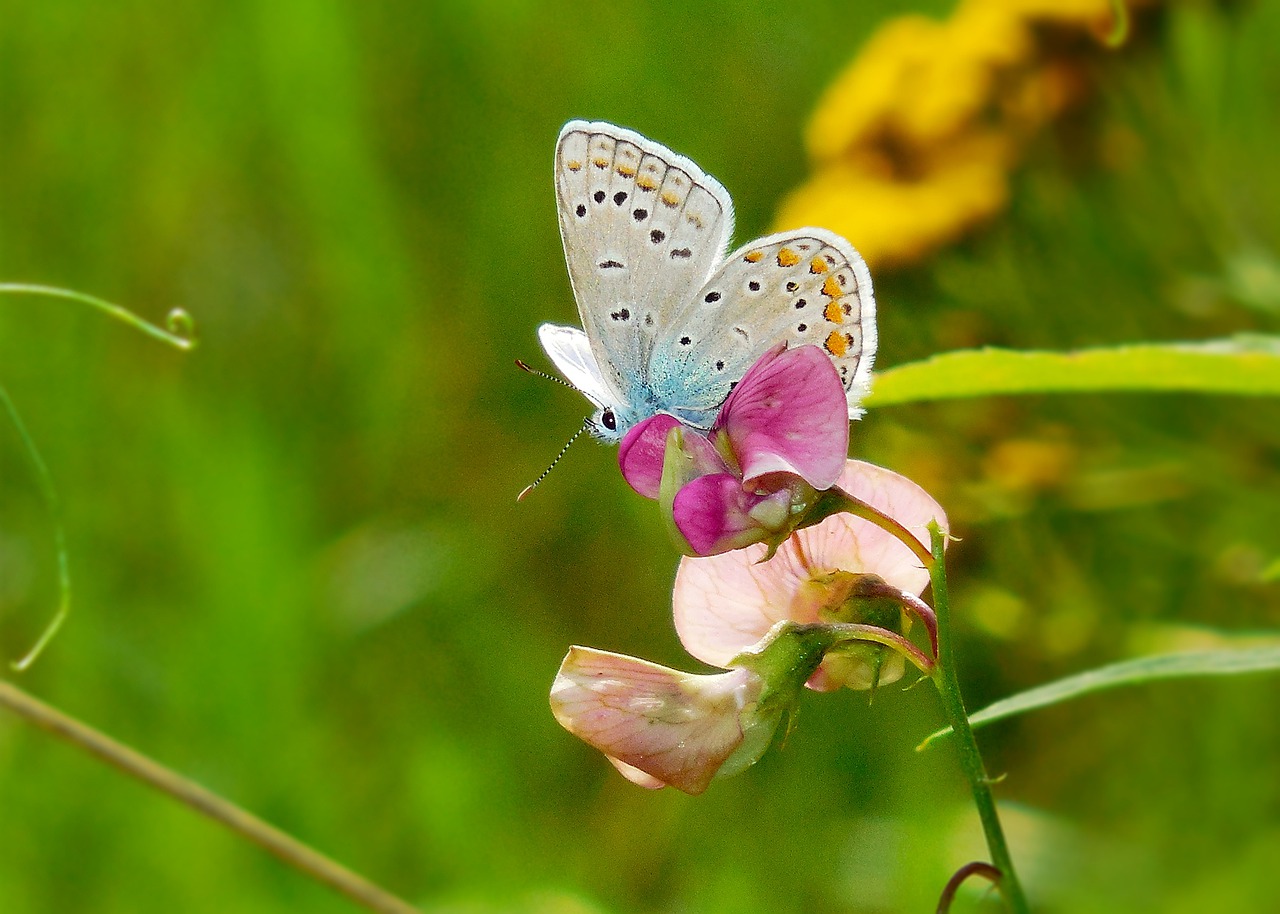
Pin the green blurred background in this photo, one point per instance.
(300, 573)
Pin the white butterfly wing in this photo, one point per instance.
(806, 287)
(570, 351)
(642, 228)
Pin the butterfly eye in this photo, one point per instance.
(609, 420)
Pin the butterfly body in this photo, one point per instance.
(670, 323)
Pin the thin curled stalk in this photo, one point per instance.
(180, 333)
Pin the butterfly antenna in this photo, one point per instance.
(525, 366)
(529, 488)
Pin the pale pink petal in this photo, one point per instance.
(789, 415)
(724, 604)
(714, 514)
(853, 544)
(635, 775)
(677, 728)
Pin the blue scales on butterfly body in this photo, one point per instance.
(670, 321)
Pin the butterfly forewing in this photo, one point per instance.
(642, 228)
(805, 287)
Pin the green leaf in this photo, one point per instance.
(1247, 365)
(1219, 662)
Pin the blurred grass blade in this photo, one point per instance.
(50, 495)
(1219, 662)
(179, 330)
(1241, 366)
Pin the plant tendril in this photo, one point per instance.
(180, 333)
(181, 326)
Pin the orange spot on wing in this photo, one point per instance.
(837, 343)
(626, 171)
(669, 199)
(574, 165)
(788, 258)
(817, 265)
(753, 256)
(833, 311)
(644, 182)
(831, 288)
(600, 163)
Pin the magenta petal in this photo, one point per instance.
(640, 454)
(644, 448)
(715, 515)
(789, 415)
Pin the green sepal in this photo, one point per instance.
(678, 468)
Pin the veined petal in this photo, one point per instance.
(724, 604)
(873, 550)
(675, 728)
(789, 415)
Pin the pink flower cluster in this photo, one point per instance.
(775, 603)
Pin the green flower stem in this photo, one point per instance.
(287, 848)
(944, 677)
(977, 868)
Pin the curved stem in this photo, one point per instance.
(976, 868)
(288, 849)
(874, 634)
(975, 771)
(841, 501)
(180, 328)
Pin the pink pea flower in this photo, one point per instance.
(658, 726)
(781, 437)
(725, 603)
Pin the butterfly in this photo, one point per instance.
(670, 321)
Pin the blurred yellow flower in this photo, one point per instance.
(914, 141)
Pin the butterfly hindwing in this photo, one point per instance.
(570, 350)
(642, 229)
(806, 287)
